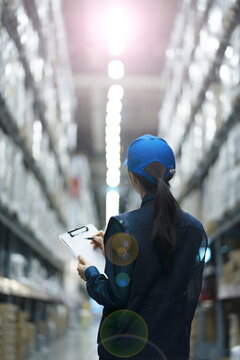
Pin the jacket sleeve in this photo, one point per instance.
(111, 291)
(195, 284)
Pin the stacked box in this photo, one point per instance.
(17, 334)
(57, 321)
(210, 325)
(231, 269)
(8, 336)
(21, 330)
(42, 328)
(234, 330)
(30, 338)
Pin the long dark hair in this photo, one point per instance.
(165, 213)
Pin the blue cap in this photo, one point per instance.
(147, 149)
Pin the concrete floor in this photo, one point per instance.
(77, 344)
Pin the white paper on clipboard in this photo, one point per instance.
(77, 242)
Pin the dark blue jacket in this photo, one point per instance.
(150, 317)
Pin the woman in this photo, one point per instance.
(154, 264)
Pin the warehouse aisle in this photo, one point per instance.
(78, 344)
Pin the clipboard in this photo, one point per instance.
(78, 243)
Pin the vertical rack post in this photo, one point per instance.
(220, 333)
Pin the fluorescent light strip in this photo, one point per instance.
(116, 69)
(112, 203)
(117, 31)
(117, 26)
(114, 107)
(115, 92)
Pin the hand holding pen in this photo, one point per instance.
(97, 241)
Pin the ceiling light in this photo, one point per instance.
(113, 140)
(113, 177)
(114, 118)
(116, 69)
(116, 46)
(113, 147)
(114, 106)
(116, 21)
(112, 204)
(113, 162)
(113, 128)
(115, 92)
(116, 31)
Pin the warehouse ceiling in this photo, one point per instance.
(150, 24)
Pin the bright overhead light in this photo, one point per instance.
(115, 92)
(116, 21)
(113, 147)
(113, 177)
(114, 118)
(112, 204)
(116, 46)
(116, 31)
(113, 162)
(112, 130)
(116, 69)
(114, 106)
(111, 156)
(112, 140)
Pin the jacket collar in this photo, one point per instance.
(147, 199)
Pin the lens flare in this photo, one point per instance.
(121, 249)
(122, 279)
(124, 333)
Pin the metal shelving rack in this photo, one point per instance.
(197, 177)
(16, 237)
(230, 26)
(8, 124)
(9, 21)
(28, 238)
(229, 223)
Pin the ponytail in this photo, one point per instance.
(165, 211)
(164, 220)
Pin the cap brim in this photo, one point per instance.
(125, 162)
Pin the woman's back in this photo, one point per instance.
(165, 300)
(154, 264)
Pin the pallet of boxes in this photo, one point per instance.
(8, 336)
(17, 334)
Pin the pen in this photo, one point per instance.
(89, 238)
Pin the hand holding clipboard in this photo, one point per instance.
(80, 242)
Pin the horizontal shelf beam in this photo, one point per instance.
(213, 153)
(11, 128)
(15, 288)
(29, 238)
(228, 291)
(85, 81)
